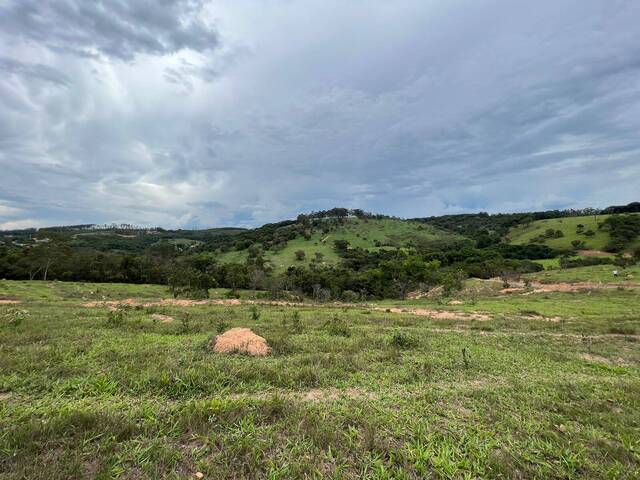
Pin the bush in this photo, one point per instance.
(296, 323)
(116, 318)
(349, 296)
(403, 341)
(338, 327)
(255, 313)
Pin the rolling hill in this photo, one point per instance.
(593, 237)
(370, 234)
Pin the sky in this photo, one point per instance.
(195, 114)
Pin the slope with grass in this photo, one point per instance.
(369, 234)
(523, 234)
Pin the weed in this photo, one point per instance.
(403, 341)
(186, 324)
(15, 317)
(465, 357)
(296, 323)
(255, 313)
(337, 326)
(221, 325)
(116, 318)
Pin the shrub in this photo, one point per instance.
(338, 327)
(349, 296)
(296, 323)
(403, 341)
(255, 313)
(116, 318)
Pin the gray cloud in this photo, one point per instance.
(111, 28)
(412, 108)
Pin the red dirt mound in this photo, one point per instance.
(241, 340)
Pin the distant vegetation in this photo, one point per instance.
(333, 254)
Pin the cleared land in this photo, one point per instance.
(547, 387)
(389, 233)
(523, 234)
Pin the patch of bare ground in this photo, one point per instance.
(424, 312)
(240, 340)
(438, 314)
(575, 336)
(4, 396)
(314, 395)
(8, 302)
(542, 318)
(162, 318)
(593, 253)
(333, 394)
(589, 357)
(541, 287)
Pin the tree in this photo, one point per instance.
(189, 282)
(256, 278)
(300, 255)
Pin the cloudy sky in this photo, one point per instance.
(239, 112)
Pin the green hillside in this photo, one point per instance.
(528, 233)
(370, 234)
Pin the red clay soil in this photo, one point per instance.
(240, 340)
(423, 312)
(158, 303)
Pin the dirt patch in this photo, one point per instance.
(240, 340)
(593, 253)
(162, 318)
(535, 316)
(9, 302)
(604, 360)
(4, 396)
(455, 302)
(424, 312)
(438, 314)
(537, 287)
(165, 302)
(333, 394)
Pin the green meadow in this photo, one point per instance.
(549, 387)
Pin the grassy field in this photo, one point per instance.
(596, 273)
(524, 233)
(349, 392)
(358, 232)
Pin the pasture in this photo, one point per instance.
(547, 387)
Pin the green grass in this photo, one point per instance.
(596, 273)
(524, 233)
(358, 232)
(347, 393)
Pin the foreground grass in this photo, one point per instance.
(346, 393)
